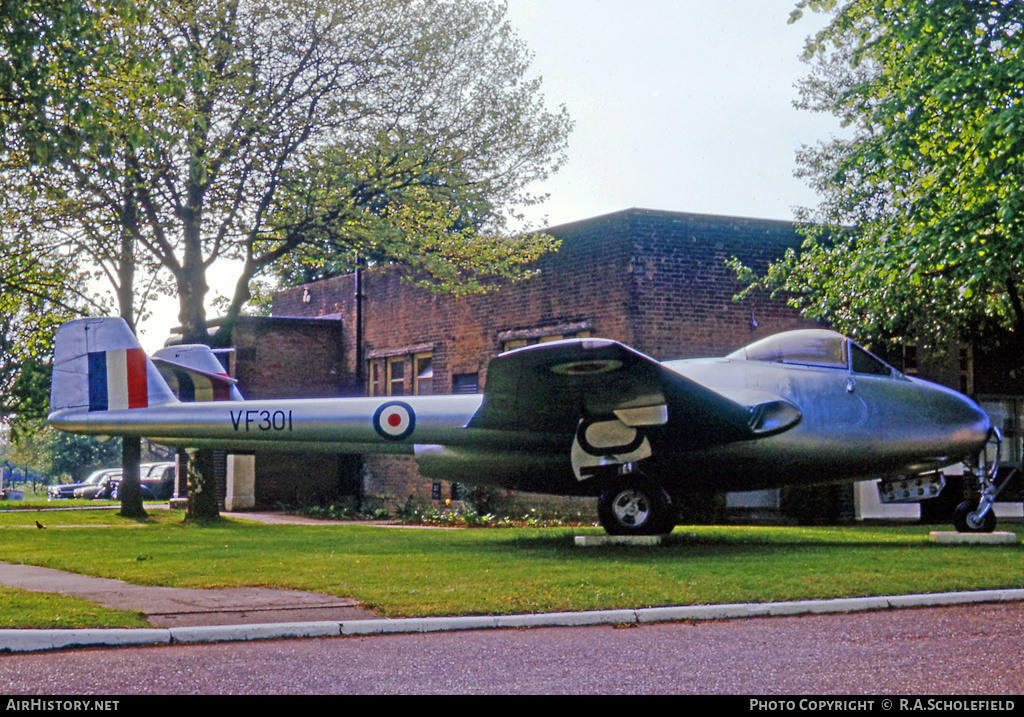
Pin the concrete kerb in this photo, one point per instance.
(38, 640)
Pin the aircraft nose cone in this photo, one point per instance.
(967, 425)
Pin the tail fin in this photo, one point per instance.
(98, 365)
(195, 373)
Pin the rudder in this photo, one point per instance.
(98, 365)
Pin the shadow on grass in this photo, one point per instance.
(684, 543)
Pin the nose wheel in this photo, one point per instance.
(976, 515)
(968, 519)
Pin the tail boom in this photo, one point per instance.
(347, 425)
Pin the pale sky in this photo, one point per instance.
(679, 105)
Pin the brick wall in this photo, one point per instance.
(586, 282)
(289, 359)
(684, 290)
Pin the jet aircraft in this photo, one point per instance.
(588, 417)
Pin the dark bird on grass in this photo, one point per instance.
(40, 525)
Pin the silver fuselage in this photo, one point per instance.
(852, 426)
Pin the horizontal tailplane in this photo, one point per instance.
(194, 373)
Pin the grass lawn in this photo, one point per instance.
(22, 609)
(422, 571)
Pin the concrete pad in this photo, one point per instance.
(588, 541)
(953, 538)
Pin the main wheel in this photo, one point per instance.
(635, 506)
(963, 523)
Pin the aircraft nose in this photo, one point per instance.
(954, 413)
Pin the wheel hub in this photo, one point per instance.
(631, 507)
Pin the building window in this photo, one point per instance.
(465, 383)
(519, 343)
(1006, 414)
(378, 387)
(423, 375)
(396, 376)
(402, 375)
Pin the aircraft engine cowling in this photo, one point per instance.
(519, 469)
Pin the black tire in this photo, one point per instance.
(963, 525)
(636, 506)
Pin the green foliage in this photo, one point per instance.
(336, 512)
(431, 183)
(403, 130)
(55, 453)
(78, 456)
(919, 233)
(29, 397)
(39, 290)
(48, 49)
(406, 131)
(470, 514)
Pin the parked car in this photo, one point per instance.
(157, 481)
(161, 480)
(57, 492)
(105, 484)
(147, 494)
(154, 470)
(108, 489)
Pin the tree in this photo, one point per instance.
(249, 129)
(47, 48)
(38, 291)
(50, 53)
(246, 130)
(919, 232)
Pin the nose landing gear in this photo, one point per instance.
(976, 515)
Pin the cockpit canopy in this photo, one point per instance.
(815, 347)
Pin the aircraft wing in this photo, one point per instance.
(549, 388)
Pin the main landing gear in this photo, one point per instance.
(976, 515)
(632, 504)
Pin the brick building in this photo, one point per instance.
(654, 280)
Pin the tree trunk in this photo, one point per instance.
(197, 465)
(130, 490)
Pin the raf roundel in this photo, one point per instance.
(394, 421)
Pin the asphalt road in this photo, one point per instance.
(963, 650)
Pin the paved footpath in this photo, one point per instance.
(184, 607)
(180, 615)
